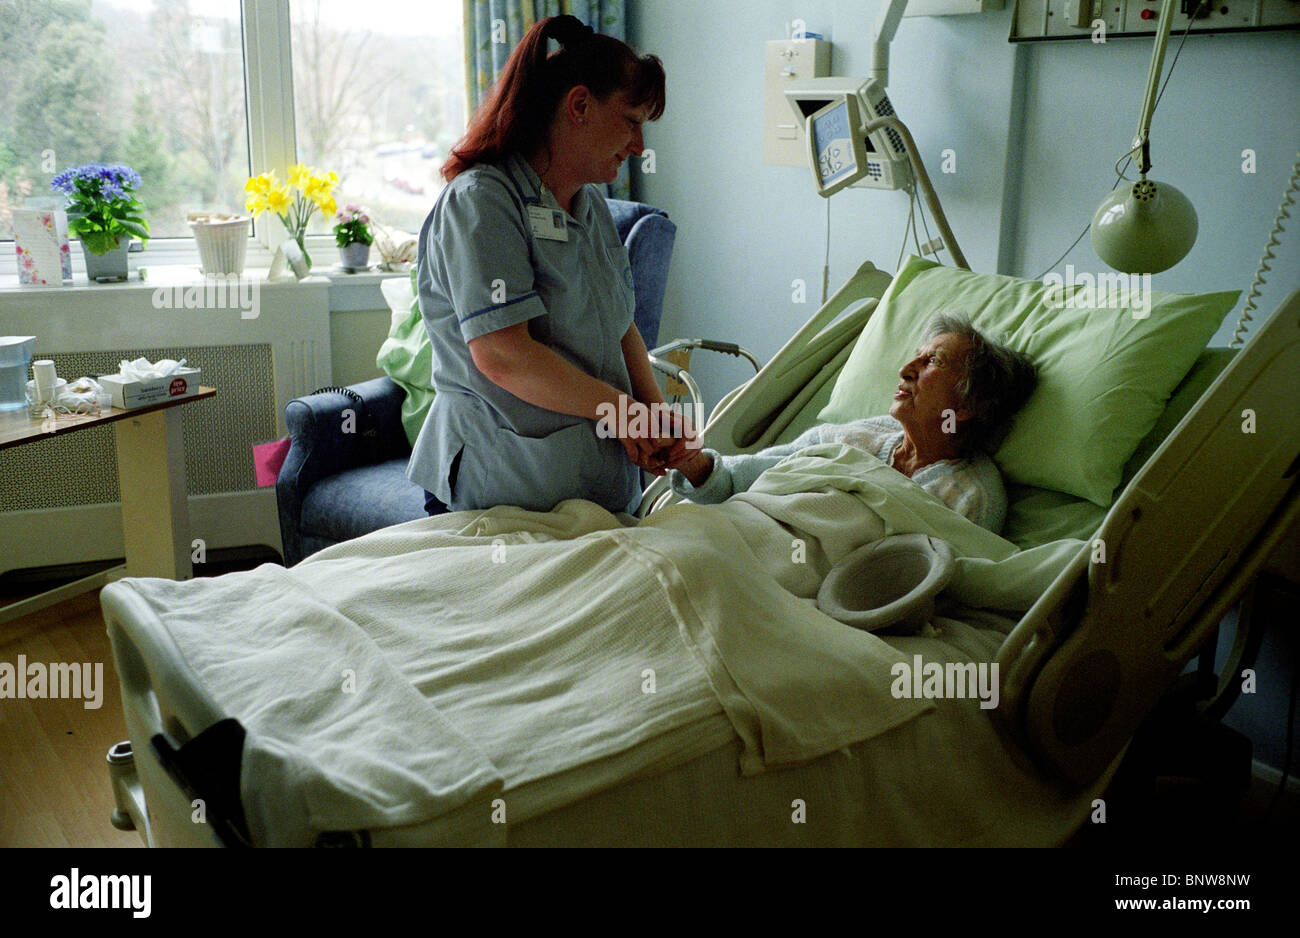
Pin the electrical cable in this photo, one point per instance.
(902, 248)
(1119, 172)
(930, 240)
(916, 239)
(826, 263)
(1283, 213)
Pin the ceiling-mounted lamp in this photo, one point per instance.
(1148, 226)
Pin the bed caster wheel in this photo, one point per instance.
(121, 765)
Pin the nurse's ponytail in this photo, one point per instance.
(516, 115)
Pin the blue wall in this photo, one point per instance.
(1036, 129)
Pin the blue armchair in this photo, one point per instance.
(335, 486)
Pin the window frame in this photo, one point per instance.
(272, 140)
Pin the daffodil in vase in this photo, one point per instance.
(306, 192)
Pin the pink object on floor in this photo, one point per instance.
(268, 458)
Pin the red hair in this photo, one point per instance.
(516, 115)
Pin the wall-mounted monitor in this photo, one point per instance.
(841, 152)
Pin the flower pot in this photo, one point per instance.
(107, 267)
(354, 256)
(222, 241)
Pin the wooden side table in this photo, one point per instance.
(151, 473)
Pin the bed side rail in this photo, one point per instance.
(1172, 556)
(754, 414)
(751, 417)
(161, 696)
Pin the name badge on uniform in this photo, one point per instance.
(548, 223)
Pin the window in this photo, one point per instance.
(154, 84)
(380, 101)
(198, 95)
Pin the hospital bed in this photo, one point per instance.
(1082, 664)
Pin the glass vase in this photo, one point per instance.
(301, 238)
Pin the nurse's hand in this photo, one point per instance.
(657, 438)
(679, 443)
(642, 454)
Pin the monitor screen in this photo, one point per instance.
(834, 144)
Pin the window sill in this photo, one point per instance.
(347, 292)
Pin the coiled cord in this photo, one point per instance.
(1283, 213)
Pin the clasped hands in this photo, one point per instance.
(659, 438)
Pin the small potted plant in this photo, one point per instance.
(104, 214)
(352, 235)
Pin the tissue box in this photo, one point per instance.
(128, 393)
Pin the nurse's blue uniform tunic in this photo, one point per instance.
(481, 268)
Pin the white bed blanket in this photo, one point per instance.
(430, 669)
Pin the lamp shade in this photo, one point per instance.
(1145, 228)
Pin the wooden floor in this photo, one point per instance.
(54, 788)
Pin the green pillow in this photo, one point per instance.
(1104, 374)
(1038, 516)
(407, 357)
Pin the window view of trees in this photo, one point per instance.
(380, 100)
(148, 84)
(159, 85)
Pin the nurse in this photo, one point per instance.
(526, 290)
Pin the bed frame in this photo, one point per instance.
(1081, 670)
(1181, 545)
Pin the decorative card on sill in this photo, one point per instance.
(41, 243)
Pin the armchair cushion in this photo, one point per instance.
(648, 235)
(358, 501)
(405, 355)
(649, 246)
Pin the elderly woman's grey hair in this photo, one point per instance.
(995, 383)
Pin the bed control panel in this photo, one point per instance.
(1095, 19)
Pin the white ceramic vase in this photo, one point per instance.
(222, 241)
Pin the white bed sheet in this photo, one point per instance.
(944, 779)
(540, 670)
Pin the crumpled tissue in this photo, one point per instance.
(143, 370)
(77, 397)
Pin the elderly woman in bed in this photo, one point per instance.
(954, 402)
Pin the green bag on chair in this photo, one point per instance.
(407, 358)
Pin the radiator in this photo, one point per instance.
(58, 497)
